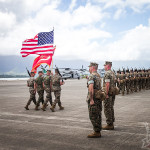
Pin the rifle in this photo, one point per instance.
(114, 71)
(28, 72)
(59, 73)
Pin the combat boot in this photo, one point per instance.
(61, 107)
(94, 135)
(51, 103)
(108, 127)
(44, 107)
(36, 107)
(26, 107)
(52, 108)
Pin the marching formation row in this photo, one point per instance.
(130, 81)
(48, 84)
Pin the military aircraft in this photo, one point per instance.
(68, 73)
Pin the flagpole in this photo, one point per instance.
(52, 66)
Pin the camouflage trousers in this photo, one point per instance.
(147, 84)
(41, 97)
(118, 85)
(131, 86)
(122, 87)
(48, 96)
(57, 98)
(140, 85)
(127, 87)
(109, 109)
(135, 85)
(32, 98)
(143, 83)
(95, 115)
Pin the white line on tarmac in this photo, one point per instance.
(44, 117)
(130, 124)
(73, 119)
(47, 124)
(68, 127)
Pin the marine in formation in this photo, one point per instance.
(32, 90)
(49, 84)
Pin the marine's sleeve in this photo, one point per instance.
(90, 80)
(107, 77)
(53, 77)
(36, 80)
(59, 78)
(27, 81)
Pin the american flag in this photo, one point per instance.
(41, 44)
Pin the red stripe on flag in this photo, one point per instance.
(30, 46)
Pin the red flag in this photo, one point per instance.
(42, 59)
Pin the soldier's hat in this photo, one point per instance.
(40, 72)
(127, 70)
(139, 70)
(143, 69)
(135, 70)
(48, 70)
(56, 69)
(108, 63)
(131, 69)
(32, 72)
(93, 64)
(123, 70)
(118, 71)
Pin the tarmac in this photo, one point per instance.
(68, 129)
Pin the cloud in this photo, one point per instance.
(73, 30)
(133, 44)
(83, 15)
(79, 30)
(87, 15)
(72, 5)
(135, 5)
(7, 21)
(24, 9)
(119, 13)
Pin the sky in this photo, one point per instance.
(89, 30)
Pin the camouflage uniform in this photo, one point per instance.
(40, 90)
(47, 80)
(57, 91)
(149, 77)
(127, 75)
(117, 80)
(96, 108)
(143, 79)
(139, 80)
(109, 102)
(122, 83)
(30, 83)
(135, 80)
(131, 81)
(147, 80)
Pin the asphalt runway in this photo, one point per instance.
(68, 129)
